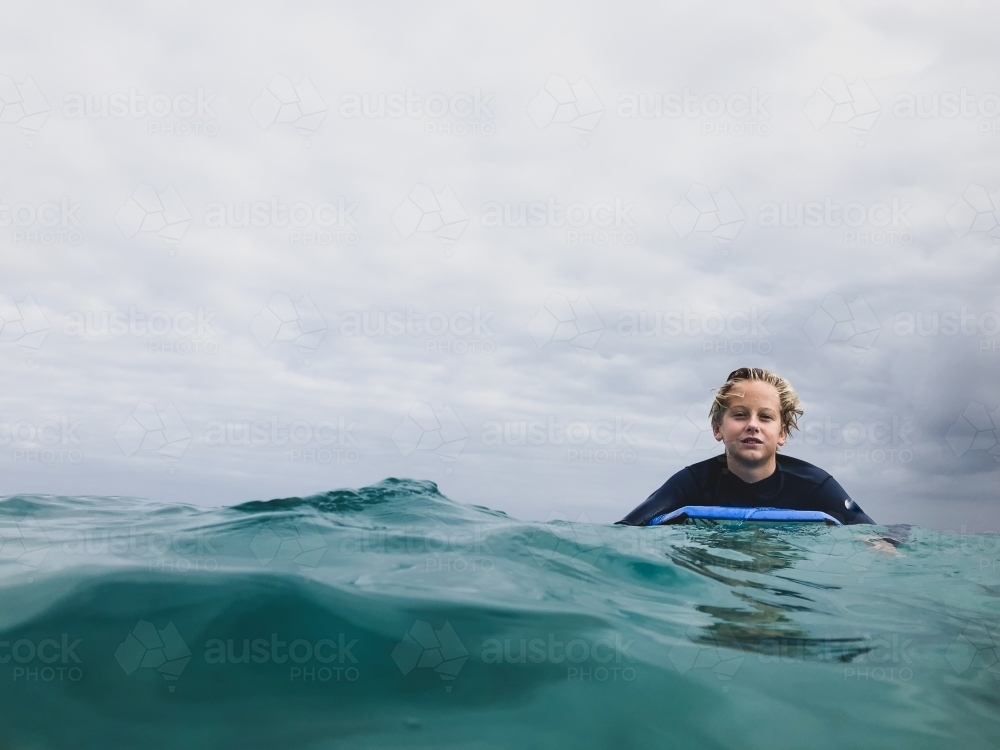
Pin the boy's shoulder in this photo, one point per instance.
(800, 469)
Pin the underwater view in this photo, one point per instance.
(392, 616)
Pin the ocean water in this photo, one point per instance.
(392, 616)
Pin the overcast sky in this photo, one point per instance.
(507, 249)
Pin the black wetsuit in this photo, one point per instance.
(794, 485)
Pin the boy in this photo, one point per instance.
(752, 415)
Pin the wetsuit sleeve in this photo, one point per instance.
(680, 490)
(831, 498)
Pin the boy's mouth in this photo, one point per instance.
(752, 441)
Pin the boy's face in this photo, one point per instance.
(751, 425)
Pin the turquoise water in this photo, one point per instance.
(392, 616)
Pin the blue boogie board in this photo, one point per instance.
(723, 513)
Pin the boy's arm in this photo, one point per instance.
(831, 498)
(680, 490)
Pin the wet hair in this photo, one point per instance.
(787, 397)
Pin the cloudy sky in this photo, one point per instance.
(258, 250)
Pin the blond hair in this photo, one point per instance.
(787, 397)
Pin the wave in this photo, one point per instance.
(392, 616)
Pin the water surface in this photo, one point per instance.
(391, 616)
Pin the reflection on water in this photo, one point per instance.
(747, 559)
